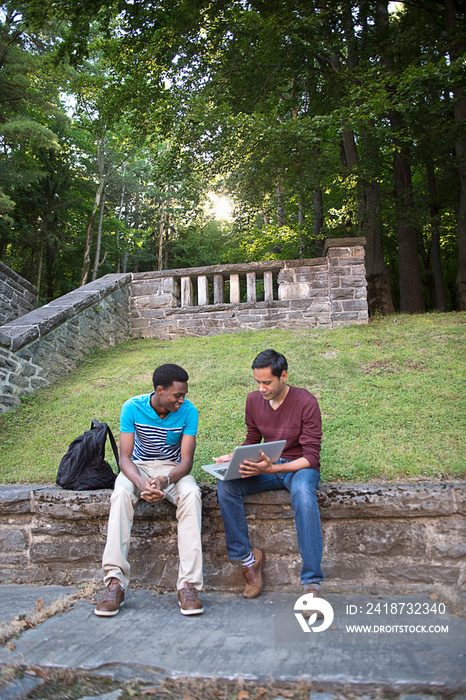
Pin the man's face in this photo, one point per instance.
(172, 396)
(270, 386)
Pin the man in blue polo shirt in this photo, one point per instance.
(157, 443)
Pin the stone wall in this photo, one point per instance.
(43, 345)
(323, 292)
(389, 537)
(17, 295)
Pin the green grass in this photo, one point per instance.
(392, 395)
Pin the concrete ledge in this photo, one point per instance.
(390, 536)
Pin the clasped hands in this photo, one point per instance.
(249, 468)
(152, 490)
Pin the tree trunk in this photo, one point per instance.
(379, 293)
(456, 51)
(280, 212)
(97, 262)
(41, 262)
(318, 213)
(434, 208)
(350, 148)
(301, 222)
(98, 196)
(379, 286)
(90, 226)
(408, 258)
(161, 231)
(300, 213)
(103, 180)
(120, 217)
(167, 238)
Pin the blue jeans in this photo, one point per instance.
(303, 488)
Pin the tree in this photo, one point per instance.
(457, 48)
(25, 107)
(339, 119)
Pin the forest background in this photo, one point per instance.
(120, 121)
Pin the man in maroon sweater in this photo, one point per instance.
(277, 411)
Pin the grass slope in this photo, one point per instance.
(392, 395)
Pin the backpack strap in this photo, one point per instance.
(114, 447)
(96, 424)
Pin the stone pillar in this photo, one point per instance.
(251, 286)
(235, 293)
(187, 292)
(347, 280)
(219, 289)
(202, 290)
(268, 285)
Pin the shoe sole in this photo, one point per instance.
(108, 613)
(198, 611)
(256, 595)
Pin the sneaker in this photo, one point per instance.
(188, 600)
(113, 598)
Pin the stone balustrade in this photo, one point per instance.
(322, 292)
(41, 346)
(199, 286)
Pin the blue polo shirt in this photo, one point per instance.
(155, 438)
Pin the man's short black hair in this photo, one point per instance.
(165, 375)
(273, 359)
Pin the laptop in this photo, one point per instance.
(230, 470)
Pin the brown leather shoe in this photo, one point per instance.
(188, 600)
(253, 575)
(112, 600)
(316, 593)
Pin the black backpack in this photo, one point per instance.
(83, 467)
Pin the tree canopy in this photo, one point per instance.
(118, 119)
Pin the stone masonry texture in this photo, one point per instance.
(17, 295)
(46, 344)
(324, 292)
(392, 536)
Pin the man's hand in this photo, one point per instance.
(264, 466)
(223, 458)
(152, 490)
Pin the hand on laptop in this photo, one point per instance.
(264, 466)
(223, 458)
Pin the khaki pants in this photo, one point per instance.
(185, 495)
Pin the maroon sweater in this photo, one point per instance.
(297, 420)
